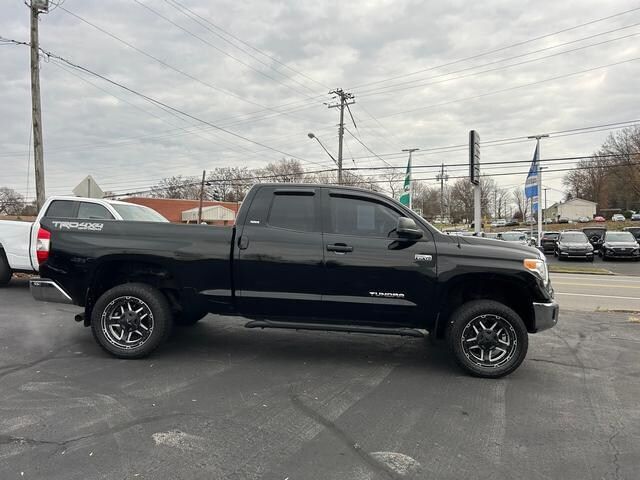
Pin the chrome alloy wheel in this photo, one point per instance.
(127, 322)
(489, 341)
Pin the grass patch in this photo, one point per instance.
(555, 268)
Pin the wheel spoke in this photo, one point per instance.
(138, 327)
(489, 340)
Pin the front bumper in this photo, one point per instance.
(47, 290)
(627, 253)
(545, 315)
(576, 253)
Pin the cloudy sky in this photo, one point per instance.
(423, 74)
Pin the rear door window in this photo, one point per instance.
(93, 211)
(62, 209)
(294, 211)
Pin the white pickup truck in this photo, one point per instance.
(19, 240)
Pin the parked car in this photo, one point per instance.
(489, 235)
(19, 241)
(563, 220)
(618, 217)
(635, 217)
(635, 231)
(595, 236)
(512, 223)
(501, 222)
(515, 237)
(384, 270)
(620, 245)
(547, 221)
(549, 239)
(599, 219)
(584, 219)
(573, 244)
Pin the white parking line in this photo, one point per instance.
(599, 296)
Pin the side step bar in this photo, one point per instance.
(403, 332)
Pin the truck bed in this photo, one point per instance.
(198, 256)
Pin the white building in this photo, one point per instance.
(571, 209)
(215, 214)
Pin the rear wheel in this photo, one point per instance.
(487, 338)
(5, 270)
(131, 320)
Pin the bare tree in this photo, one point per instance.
(177, 187)
(229, 184)
(11, 202)
(521, 201)
(283, 171)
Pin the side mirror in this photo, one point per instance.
(407, 228)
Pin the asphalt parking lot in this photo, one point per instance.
(220, 401)
(618, 266)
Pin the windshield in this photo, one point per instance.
(574, 237)
(137, 213)
(553, 236)
(619, 237)
(513, 237)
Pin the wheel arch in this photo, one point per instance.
(118, 270)
(510, 290)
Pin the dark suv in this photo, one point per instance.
(548, 242)
(595, 236)
(573, 244)
(620, 244)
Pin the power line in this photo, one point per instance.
(421, 82)
(500, 49)
(215, 47)
(271, 57)
(167, 65)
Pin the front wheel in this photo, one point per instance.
(131, 320)
(5, 270)
(487, 338)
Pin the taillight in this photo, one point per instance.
(42, 245)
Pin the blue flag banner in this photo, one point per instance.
(531, 185)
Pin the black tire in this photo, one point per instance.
(188, 318)
(5, 270)
(152, 325)
(509, 328)
(590, 259)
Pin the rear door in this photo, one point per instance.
(279, 266)
(373, 276)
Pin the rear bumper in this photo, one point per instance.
(47, 290)
(545, 315)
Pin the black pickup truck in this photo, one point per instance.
(314, 257)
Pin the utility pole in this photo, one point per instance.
(538, 137)
(37, 7)
(346, 99)
(410, 150)
(545, 199)
(204, 172)
(443, 177)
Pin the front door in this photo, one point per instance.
(373, 276)
(280, 270)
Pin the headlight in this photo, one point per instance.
(589, 247)
(539, 267)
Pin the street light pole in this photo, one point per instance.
(312, 136)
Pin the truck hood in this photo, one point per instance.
(514, 247)
(575, 244)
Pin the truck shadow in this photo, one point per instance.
(225, 340)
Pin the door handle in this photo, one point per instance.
(243, 242)
(340, 248)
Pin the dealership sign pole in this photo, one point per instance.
(474, 177)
